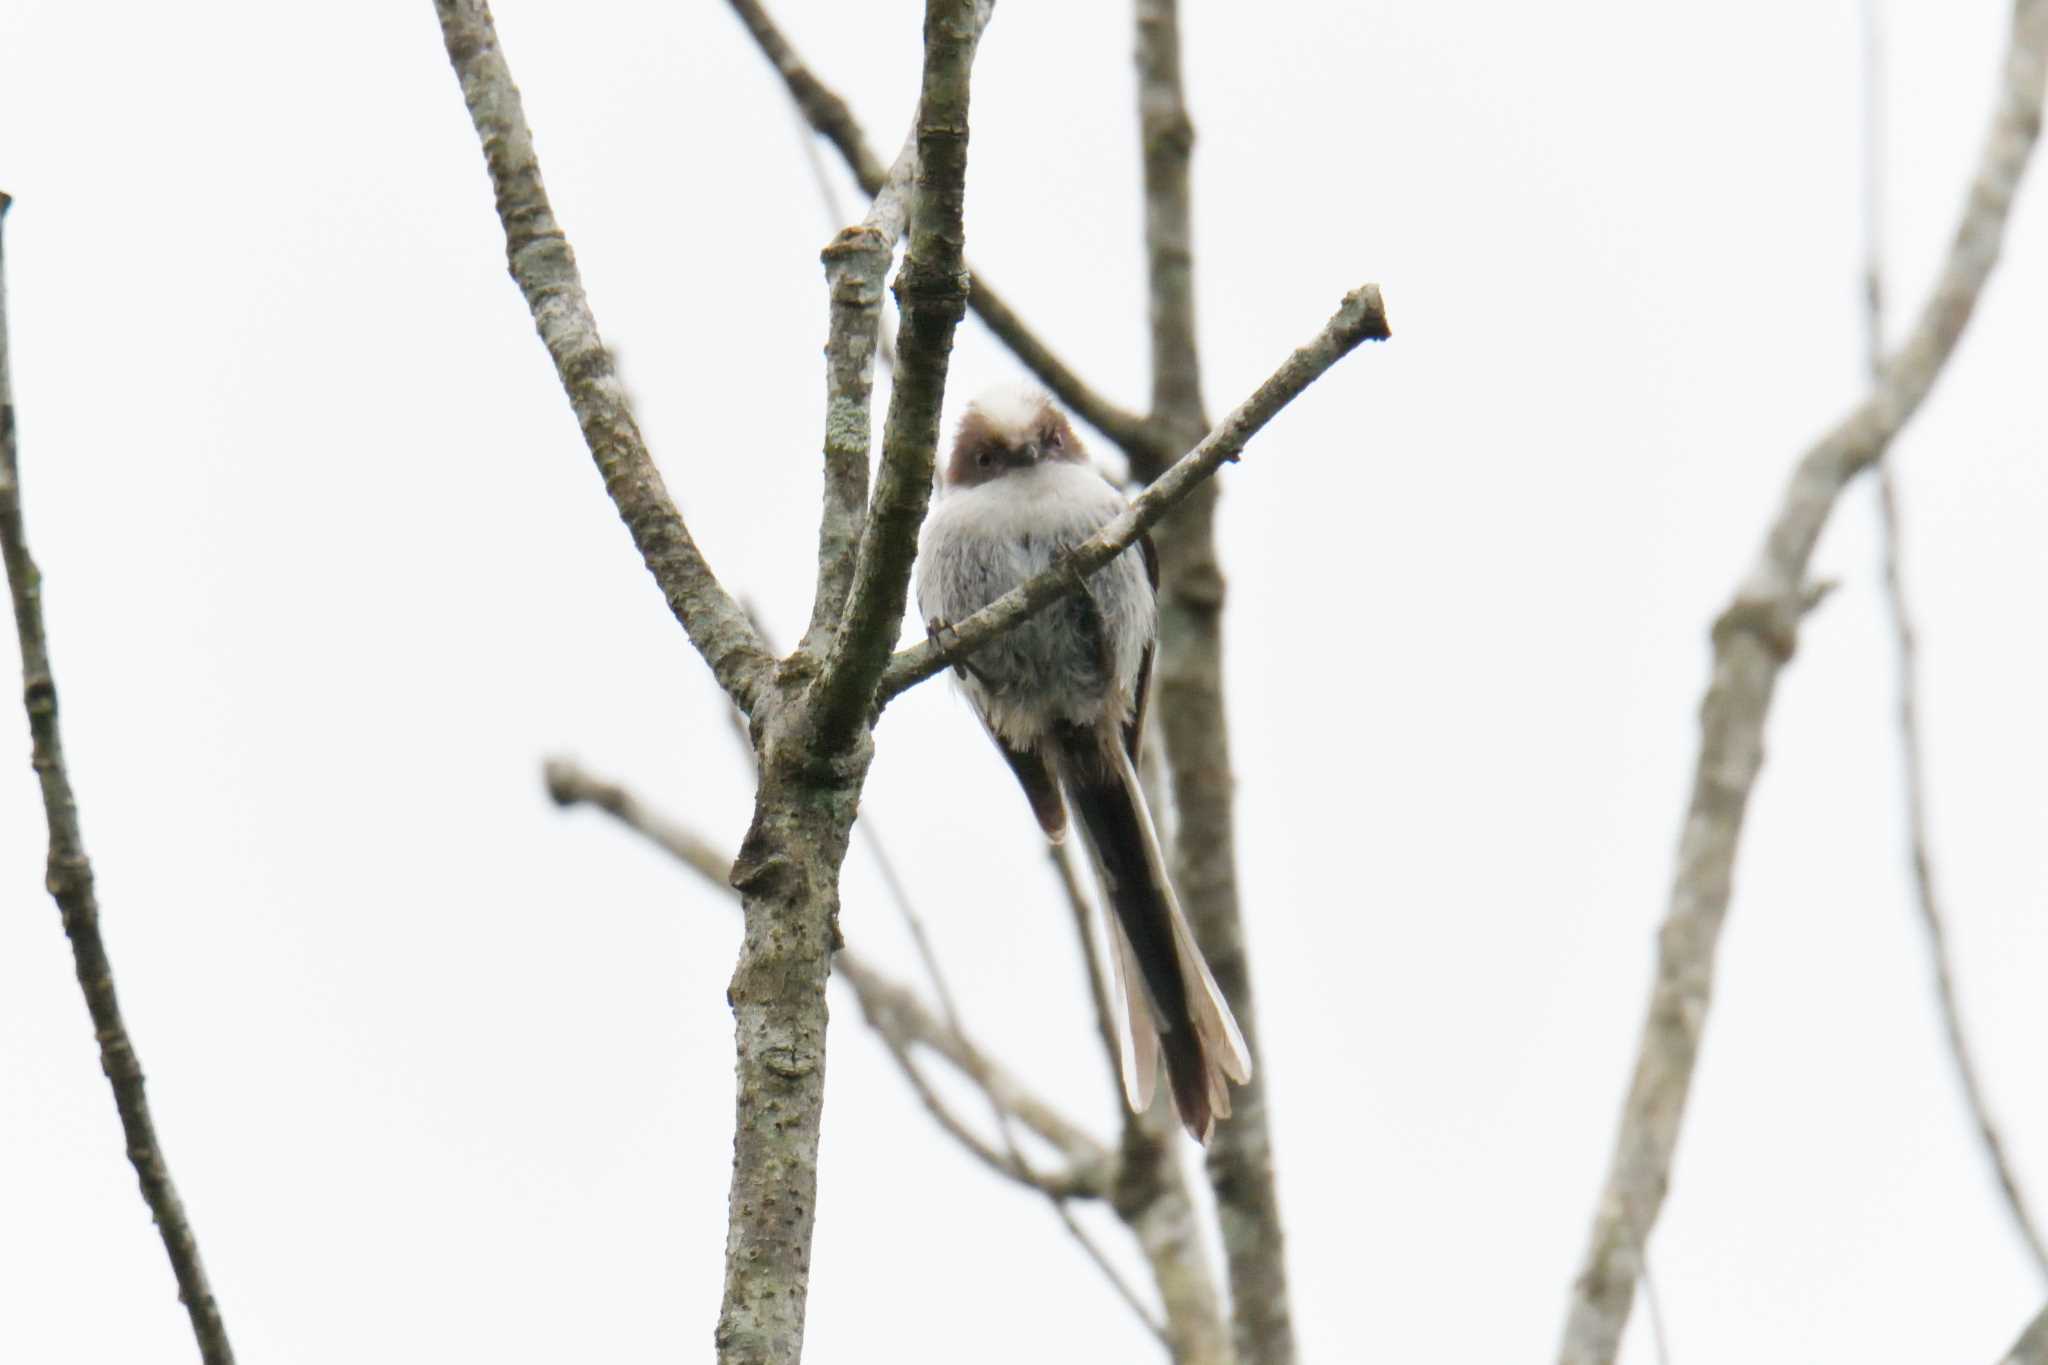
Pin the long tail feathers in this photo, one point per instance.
(1172, 1006)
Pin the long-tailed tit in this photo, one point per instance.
(1063, 696)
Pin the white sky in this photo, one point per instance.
(445, 1074)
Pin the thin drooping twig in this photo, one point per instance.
(891, 1007)
(828, 114)
(2032, 1347)
(1911, 748)
(70, 882)
(1925, 898)
(1061, 856)
(1658, 1339)
(1753, 640)
(545, 269)
(1191, 705)
(1362, 317)
(950, 1008)
(931, 293)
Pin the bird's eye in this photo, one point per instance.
(986, 458)
(1055, 439)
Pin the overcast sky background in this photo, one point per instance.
(444, 1073)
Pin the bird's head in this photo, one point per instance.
(1007, 429)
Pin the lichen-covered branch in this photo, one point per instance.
(856, 264)
(1753, 640)
(1906, 636)
(931, 293)
(1361, 317)
(545, 268)
(826, 112)
(70, 882)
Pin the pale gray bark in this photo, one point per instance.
(1906, 636)
(1189, 676)
(811, 715)
(70, 882)
(1192, 710)
(544, 267)
(2032, 1347)
(895, 1011)
(1753, 640)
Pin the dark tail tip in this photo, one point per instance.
(1187, 1070)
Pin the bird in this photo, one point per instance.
(1063, 696)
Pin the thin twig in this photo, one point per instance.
(828, 113)
(1753, 640)
(70, 882)
(1912, 750)
(1075, 895)
(1658, 1339)
(892, 1008)
(1362, 317)
(950, 1008)
(545, 268)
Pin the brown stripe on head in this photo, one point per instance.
(1013, 427)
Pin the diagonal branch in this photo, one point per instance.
(1911, 748)
(827, 113)
(931, 293)
(70, 882)
(892, 1009)
(1362, 317)
(1753, 640)
(2032, 1347)
(545, 269)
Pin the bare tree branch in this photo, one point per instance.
(1191, 706)
(1753, 640)
(1151, 1195)
(931, 292)
(1912, 750)
(891, 1008)
(545, 269)
(1925, 897)
(1166, 137)
(1361, 317)
(2032, 1347)
(70, 882)
(1061, 856)
(856, 263)
(1010, 1161)
(828, 114)
(1154, 1203)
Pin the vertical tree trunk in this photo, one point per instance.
(787, 875)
